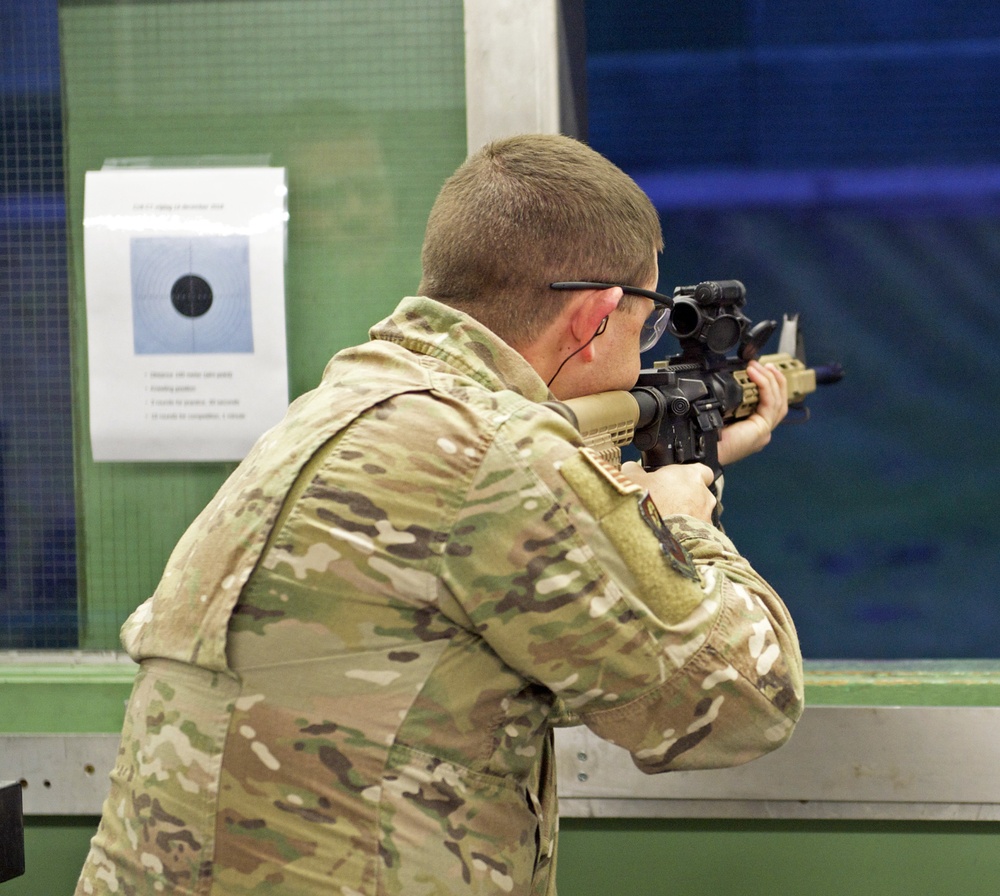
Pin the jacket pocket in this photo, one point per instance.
(445, 829)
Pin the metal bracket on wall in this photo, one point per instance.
(11, 831)
(843, 762)
(59, 774)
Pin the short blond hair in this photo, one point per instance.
(524, 212)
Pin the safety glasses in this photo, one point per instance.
(654, 325)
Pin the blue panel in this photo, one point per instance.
(664, 111)
(796, 107)
(780, 23)
(878, 106)
(38, 583)
(842, 159)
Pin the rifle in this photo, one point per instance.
(677, 409)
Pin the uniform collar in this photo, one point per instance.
(430, 328)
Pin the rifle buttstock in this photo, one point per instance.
(605, 421)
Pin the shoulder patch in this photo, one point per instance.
(673, 550)
(663, 571)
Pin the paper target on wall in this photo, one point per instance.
(184, 271)
(191, 295)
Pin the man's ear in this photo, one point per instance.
(591, 312)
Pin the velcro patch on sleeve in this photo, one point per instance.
(679, 558)
(663, 571)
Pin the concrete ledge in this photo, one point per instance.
(844, 762)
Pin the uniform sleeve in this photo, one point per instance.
(656, 634)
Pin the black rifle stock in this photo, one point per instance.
(678, 408)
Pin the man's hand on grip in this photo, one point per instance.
(677, 488)
(747, 436)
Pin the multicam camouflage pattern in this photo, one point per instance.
(353, 665)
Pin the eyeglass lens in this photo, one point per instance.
(653, 327)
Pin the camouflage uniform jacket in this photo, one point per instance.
(452, 576)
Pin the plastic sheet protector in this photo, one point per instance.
(185, 299)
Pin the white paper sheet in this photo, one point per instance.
(185, 286)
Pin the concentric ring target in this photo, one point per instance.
(191, 295)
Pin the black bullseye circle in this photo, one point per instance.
(191, 295)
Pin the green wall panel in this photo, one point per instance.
(54, 850)
(764, 858)
(701, 858)
(362, 103)
(903, 683)
(56, 697)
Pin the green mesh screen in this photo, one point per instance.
(362, 103)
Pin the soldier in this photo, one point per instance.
(351, 670)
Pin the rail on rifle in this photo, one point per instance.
(677, 409)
